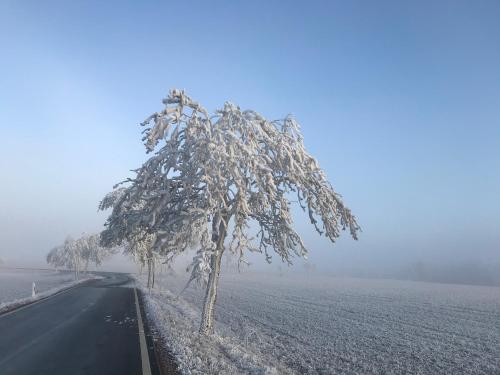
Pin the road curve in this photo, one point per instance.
(90, 329)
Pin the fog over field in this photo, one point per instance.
(16, 284)
(406, 129)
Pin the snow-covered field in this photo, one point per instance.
(322, 325)
(15, 284)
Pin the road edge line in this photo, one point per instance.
(146, 367)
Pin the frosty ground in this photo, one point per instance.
(324, 325)
(16, 284)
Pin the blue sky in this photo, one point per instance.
(399, 101)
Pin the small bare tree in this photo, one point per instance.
(211, 177)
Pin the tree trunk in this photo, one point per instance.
(153, 271)
(207, 317)
(149, 273)
(149, 256)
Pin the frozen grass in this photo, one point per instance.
(322, 325)
(15, 285)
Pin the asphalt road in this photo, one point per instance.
(90, 329)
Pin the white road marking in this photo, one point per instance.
(146, 367)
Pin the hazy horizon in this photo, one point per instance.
(399, 102)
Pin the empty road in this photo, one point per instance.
(90, 329)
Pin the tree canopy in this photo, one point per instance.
(215, 177)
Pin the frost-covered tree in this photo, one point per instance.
(214, 178)
(91, 251)
(77, 254)
(137, 241)
(66, 255)
(140, 249)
